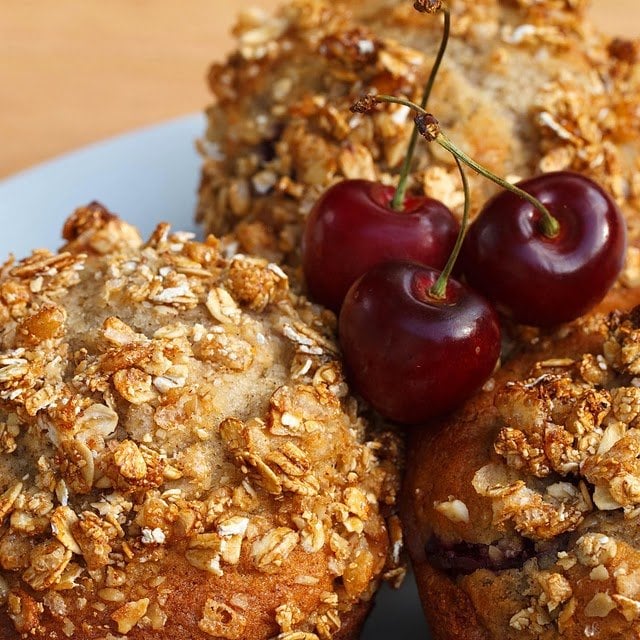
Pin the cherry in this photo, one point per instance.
(357, 223)
(412, 355)
(545, 279)
(353, 227)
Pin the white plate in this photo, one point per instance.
(147, 176)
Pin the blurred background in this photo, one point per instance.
(77, 71)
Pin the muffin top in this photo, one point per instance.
(538, 509)
(179, 453)
(525, 87)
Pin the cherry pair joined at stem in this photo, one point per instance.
(416, 343)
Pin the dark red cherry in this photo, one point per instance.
(414, 357)
(539, 280)
(353, 227)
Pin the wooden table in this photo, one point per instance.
(77, 71)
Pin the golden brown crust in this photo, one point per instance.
(448, 609)
(190, 590)
(179, 454)
(352, 622)
(564, 516)
(526, 87)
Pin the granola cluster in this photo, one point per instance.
(281, 130)
(567, 476)
(176, 439)
(526, 87)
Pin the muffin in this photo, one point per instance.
(180, 456)
(521, 510)
(526, 87)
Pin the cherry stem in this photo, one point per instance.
(397, 203)
(549, 225)
(405, 102)
(439, 289)
(429, 128)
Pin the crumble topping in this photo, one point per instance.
(526, 87)
(162, 405)
(567, 473)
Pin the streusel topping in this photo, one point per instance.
(526, 87)
(165, 409)
(567, 476)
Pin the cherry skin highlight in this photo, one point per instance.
(353, 227)
(414, 357)
(542, 281)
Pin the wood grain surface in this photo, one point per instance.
(77, 71)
